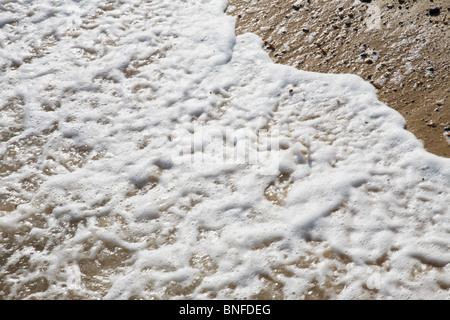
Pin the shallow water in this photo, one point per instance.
(149, 153)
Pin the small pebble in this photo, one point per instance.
(434, 11)
(377, 85)
(431, 124)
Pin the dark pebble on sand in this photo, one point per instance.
(434, 11)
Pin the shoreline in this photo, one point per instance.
(402, 49)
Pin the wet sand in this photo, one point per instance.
(402, 47)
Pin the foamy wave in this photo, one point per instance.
(148, 152)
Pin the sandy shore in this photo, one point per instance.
(401, 47)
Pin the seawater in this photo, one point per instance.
(149, 153)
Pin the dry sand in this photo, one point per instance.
(400, 46)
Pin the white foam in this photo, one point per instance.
(109, 190)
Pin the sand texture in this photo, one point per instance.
(401, 47)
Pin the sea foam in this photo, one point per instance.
(149, 152)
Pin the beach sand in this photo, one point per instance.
(146, 152)
(401, 47)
